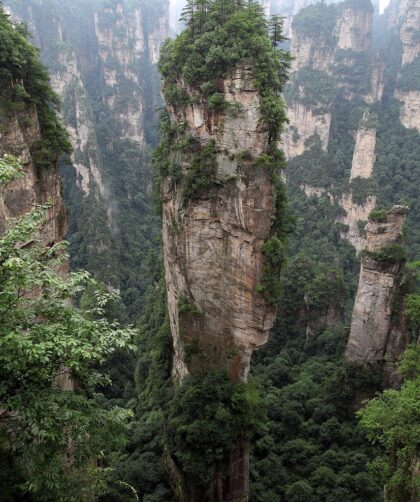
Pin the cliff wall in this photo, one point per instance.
(213, 246)
(102, 60)
(340, 98)
(19, 133)
(374, 337)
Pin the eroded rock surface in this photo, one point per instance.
(304, 123)
(410, 108)
(373, 336)
(213, 245)
(18, 134)
(364, 153)
(354, 29)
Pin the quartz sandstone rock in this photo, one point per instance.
(410, 108)
(355, 213)
(364, 153)
(354, 29)
(304, 123)
(409, 29)
(17, 135)
(373, 336)
(213, 245)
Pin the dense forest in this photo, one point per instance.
(92, 406)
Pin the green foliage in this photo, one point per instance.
(208, 417)
(316, 20)
(397, 168)
(186, 307)
(221, 35)
(275, 255)
(357, 5)
(391, 253)
(313, 88)
(24, 82)
(142, 463)
(409, 77)
(311, 448)
(200, 177)
(362, 188)
(392, 422)
(378, 216)
(10, 168)
(53, 431)
(412, 299)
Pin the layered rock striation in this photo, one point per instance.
(19, 134)
(374, 335)
(213, 243)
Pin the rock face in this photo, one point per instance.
(315, 51)
(374, 338)
(410, 108)
(364, 153)
(213, 249)
(322, 79)
(410, 22)
(355, 213)
(304, 123)
(354, 29)
(17, 136)
(404, 20)
(213, 245)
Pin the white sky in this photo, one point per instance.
(383, 4)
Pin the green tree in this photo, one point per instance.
(392, 421)
(51, 423)
(275, 26)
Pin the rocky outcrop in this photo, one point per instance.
(304, 123)
(377, 82)
(309, 50)
(18, 134)
(354, 29)
(213, 245)
(364, 153)
(410, 108)
(121, 45)
(355, 213)
(374, 337)
(409, 30)
(321, 51)
(101, 57)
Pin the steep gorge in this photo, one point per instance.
(102, 58)
(223, 235)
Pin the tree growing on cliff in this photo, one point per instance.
(52, 429)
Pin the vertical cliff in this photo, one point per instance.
(102, 59)
(30, 131)
(214, 243)
(374, 336)
(223, 205)
(19, 134)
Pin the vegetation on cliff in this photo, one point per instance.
(53, 429)
(219, 36)
(24, 81)
(308, 445)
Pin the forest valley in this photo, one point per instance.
(209, 251)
